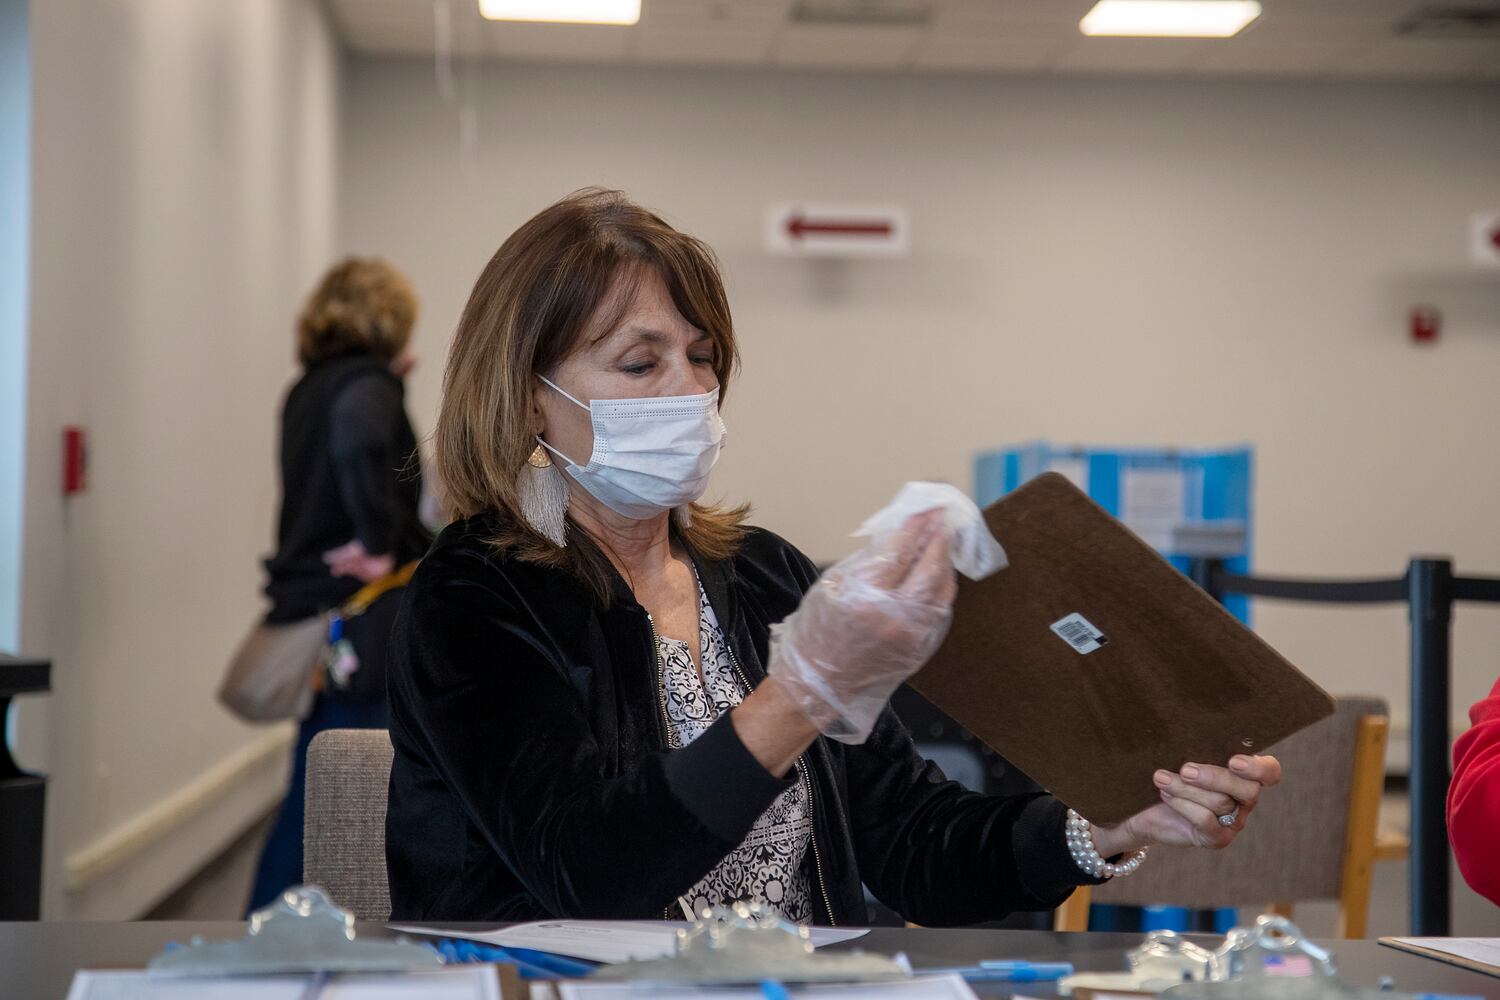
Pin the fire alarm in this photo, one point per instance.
(75, 461)
(1426, 323)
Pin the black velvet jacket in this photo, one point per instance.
(345, 449)
(531, 778)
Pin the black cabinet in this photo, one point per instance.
(22, 800)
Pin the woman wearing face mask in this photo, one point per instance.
(612, 700)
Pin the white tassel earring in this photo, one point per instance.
(683, 515)
(544, 497)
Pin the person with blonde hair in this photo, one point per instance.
(351, 487)
(612, 699)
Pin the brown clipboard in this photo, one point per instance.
(1156, 674)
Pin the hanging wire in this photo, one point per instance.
(468, 140)
(455, 90)
(468, 103)
(442, 48)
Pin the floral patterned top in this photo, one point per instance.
(769, 865)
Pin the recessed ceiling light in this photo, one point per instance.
(563, 11)
(1169, 18)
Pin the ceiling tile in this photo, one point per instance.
(1378, 9)
(1426, 57)
(557, 41)
(357, 14)
(688, 15)
(1320, 38)
(1045, 13)
(1291, 59)
(1128, 55)
(1277, 29)
(960, 52)
(846, 46)
(404, 26)
(705, 47)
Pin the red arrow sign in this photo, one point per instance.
(797, 226)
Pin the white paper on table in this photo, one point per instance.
(602, 940)
(1485, 951)
(950, 986)
(463, 982)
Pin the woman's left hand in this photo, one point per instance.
(351, 559)
(1193, 799)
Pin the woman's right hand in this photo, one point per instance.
(868, 624)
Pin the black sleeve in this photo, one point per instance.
(940, 854)
(936, 852)
(367, 459)
(479, 695)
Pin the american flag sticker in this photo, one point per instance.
(1291, 966)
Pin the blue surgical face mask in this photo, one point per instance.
(650, 455)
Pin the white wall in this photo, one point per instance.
(15, 198)
(183, 202)
(1100, 261)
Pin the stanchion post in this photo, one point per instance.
(1204, 571)
(1430, 596)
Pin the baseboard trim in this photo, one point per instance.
(119, 846)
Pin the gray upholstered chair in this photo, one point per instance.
(1314, 837)
(343, 831)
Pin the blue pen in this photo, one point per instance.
(770, 989)
(314, 987)
(974, 974)
(530, 964)
(468, 951)
(1010, 972)
(563, 965)
(1042, 970)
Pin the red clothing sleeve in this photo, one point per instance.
(1474, 799)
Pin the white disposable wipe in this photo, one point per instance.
(976, 554)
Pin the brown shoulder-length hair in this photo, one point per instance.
(529, 310)
(363, 305)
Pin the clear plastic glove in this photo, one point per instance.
(868, 624)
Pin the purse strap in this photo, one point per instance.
(375, 589)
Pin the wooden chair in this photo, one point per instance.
(1301, 844)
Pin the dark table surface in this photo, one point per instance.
(37, 960)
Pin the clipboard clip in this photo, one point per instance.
(1274, 960)
(1168, 957)
(746, 943)
(303, 932)
(1250, 952)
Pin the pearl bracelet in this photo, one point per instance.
(1087, 856)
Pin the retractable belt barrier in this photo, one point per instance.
(1429, 590)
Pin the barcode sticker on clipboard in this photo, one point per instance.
(1080, 633)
